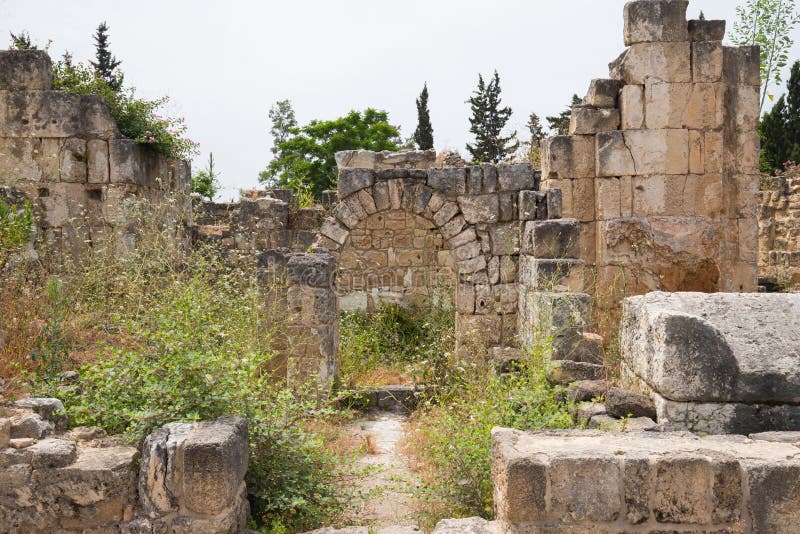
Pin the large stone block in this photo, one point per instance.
(668, 62)
(551, 239)
(742, 65)
(655, 21)
(706, 30)
(25, 70)
(683, 105)
(722, 347)
(568, 156)
(603, 93)
(707, 61)
(449, 181)
(631, 105)
(659, 151)
(480, 208)
(353, 180)
(588, 120)
(551, 274)
(614, 156)
(516, 177)
(214, 464)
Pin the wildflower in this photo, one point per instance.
(151, 139)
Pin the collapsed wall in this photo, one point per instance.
(187, 477)
(661, 164)
(779, 232)
(64, 154)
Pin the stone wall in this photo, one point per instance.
(63, 152)
(779, 233)
(188, 477)
(661, 164)
(474, 213)
(260, 221)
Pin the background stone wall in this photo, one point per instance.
(779, 233)
(661, 164)
(63, 152)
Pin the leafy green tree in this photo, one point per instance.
(206, 182)
(106, 65)
(423, 135)
(559, 124)
(769, 24)
(21, 41)
(306, 162)
(780, 127)
(487, 123)
(283, 120)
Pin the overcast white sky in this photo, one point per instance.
(223, 63)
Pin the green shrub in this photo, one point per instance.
(137, 118)
(452, 432)
(394, 341)
(15, 227)
(186, 337)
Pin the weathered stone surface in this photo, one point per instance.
(655, 20)
(707, 61)
(551, 239)
(515, 177)
(356, 159)
(631, 106)
(603, 93)
(588, 120)
(5, 431)
(587, 390)
(706, 30)
(49, 453)
(614, 157)
(777, 437)
(546, 480)
(472, 525)
(353, 180)
(623, 403)
(608, 423)
(30, 426)
(315, 270)
(742, 65)
(568, 157)
(586, 410)
(480, 208)
(449, 181)
(551, 274)
(25, 70)
(48, 409)
(721, 347)
(566, 371)
(665, 61)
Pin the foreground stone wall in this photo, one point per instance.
(188, 478)
(592, 481)
(478, 212)
(661, 164)
(779, 233)
(64, 153)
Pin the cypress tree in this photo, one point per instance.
(780, 127)
(423, 135)
(487, 123)
(106, 65)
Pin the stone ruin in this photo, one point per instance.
(653, 192)
(779, 233)
(185, 478)
(64, 154)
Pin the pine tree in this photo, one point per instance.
(21, 41)
(206, 182)
(537, 135)
(487, 123)
(423, 135)
(66, 59)
(106, 66)
(559, 124)
(702, 15)
(780, 127)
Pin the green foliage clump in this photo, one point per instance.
(452, 432)
(206, 182)
(487, 123)
(137, 118)
(305, 160)
(395, 341)
(15, 227)
(559, 124)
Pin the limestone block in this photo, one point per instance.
(126, 162)
(335, 231)
(565, 371)
(658, 151)
(450, 181)
(683, 105)
(555, 207)
(614, 157)
(73, 161)
(587, 410)
(472, 525)
(655, 21)
(406, 159)
(742, 65)
(713, 147)
(552, 239)
(650, 195)
(30, 426)
(564, 187)
(515, 177)
(706, 30)
(668, 62)
(631, 104)
(508, 269)
(453, 227)
(551, 274)
(532, 205)
(214, 464)
(5, 432)
(588, 120)
(97, 171)
(507, 203)
(474, 179)
(504, 239)
(603, 93)
(742, 106)
(624, 403)
(567, 157)
(50, 453)
(720, 347)
(741, 152)
(607, 193)
(96, 120)
(587, 390)
(554, 313)
(52, 114)
(367, 201)
(353, 180)
(465, 298)
(707, 61)
(482, 328)
(696, 152)
(311, 269)
(472, 265)
(356, 159)
(25, 70)
(445, 213)
(49, 409)
(480, 208)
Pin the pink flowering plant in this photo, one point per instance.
(137, 118)
(779, 178)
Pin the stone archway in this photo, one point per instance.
(477, 210)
